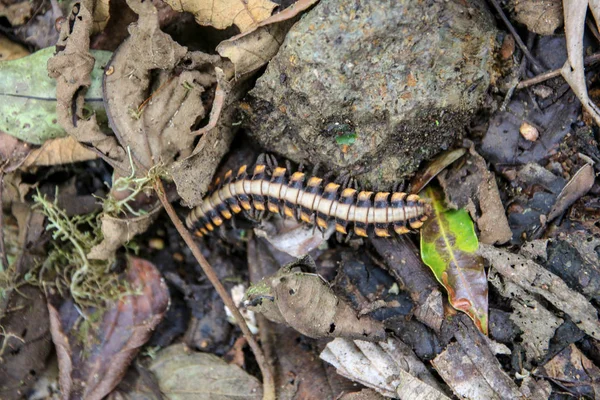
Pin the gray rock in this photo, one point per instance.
(399, 78)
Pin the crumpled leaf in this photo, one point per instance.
(573, 71)
(389, 367)
(439, 163)
(245, 14)
(306, 303)
(59, 151)
(17, 13)
(184, 374)
(292, 237)
(448, 245)
(13, 151)
(117, 231)
(540, 16)
(28, 96)
(93, 354)
(252, 49)
(470, 368)
(538, 281)
(101, 15)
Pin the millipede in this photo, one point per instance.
(312, 201)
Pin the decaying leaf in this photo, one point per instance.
(448, 245)
(536, 280)
(578, 186)
(13, 151)
(389, 367)
(540, 16)
(59, 151)
(470, 368)
(251, 50)
(305, 302)
(184, 374)
(24, 340)
(28, 96)
(95, 347)
(245, 14)
(575, 372)
(472, 186)
(17, 13)
(538, 325)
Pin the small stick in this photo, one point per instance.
(268, 380)
(589, 60)
(2, 244)
(524, 49)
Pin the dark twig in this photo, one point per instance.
(590, 60)
(535, 64)
(268, 380)
(2, 244)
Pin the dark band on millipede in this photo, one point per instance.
(308, 201)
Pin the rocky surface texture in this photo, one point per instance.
(374, 87)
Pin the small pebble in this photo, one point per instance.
(156, 244)
(529, 132)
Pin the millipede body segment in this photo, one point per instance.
(308, 200)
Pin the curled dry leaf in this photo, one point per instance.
(292, 237)
(536, 280)
(28, 97)
(184, 374)
(573, 71)
(72, 67)
(448, 245)
(390, 367)
(305, 302)
(94, 352)
(251, 50)
(245, 14)
(117, 231)
(578, 186)
(441, 162)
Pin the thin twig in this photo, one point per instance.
(590, 60)
(535, 64)
(2, 244)
(268, 381)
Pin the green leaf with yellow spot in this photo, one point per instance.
(28, 96)
(448, 245)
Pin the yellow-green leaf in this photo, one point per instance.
(448, 245)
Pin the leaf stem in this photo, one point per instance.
(268, 380)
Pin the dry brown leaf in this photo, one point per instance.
(251, 50)
(578, 186)
(101, 15)
(64, 150)
(389, 367)
(540, 16)
(245, 14)
(10, 50)
(17, 13)
(292, 237)
(305, 302)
